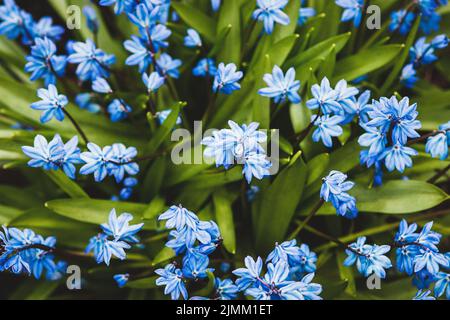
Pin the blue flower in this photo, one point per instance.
(226, 289)
(440, 41)
(52, 104)
(162, 116)
(91, 19)
(15, 22)
(100, 85)
(428, 237)
(167, 66)
(327, 127)
(85, 101)
(408, 76)
(346, 94)
(192, 40)
(405, 258)
(144, 16)
(121, 161)
(126, 192)
(270, 12)
(44, 63)
(424, 295)
(304, 14)
(442, 285)
(121, 279)
(44, 154)
(195, 265)
(438, 144)
(375, 139)
(324, 97)
(97, 161)
(288, 252)
(140, 53)
(422, 53)
(178, 217)
(41, 260)
(92, 62)
(402, 21)
(204, 67)
(427, 6)
(173, 279)
(118, 110)
(226, 79)
(398, 157)
(333, 184)
(280, 86)
(215, 4)
(120, 229)
(152, 82)
(119, 5)
(249, 275)
(45, 28)
(256, 165)
(352, 10)
(158, 36)
(430, 23)
(430, 260)
(105, 249)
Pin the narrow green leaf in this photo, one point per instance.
(70, 187)
(164, 255)
(196, 19)
(230, 15)
(225, 221)
(145, 283)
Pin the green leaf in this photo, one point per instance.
(70, 187)
(230, 15)
(196, 19)
(278, 204)
(215, 179)
(320, 50)
(366, 61)
(97, 211)
(8, 213)
(317, 168)
(224, 217)
(346, 273)
(164, 255)
(145, 283)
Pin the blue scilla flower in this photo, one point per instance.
(42, 260)
(153, 81)
(333, 184)
(249, 275)
(428, 237)
(430, 260)
(270, 12)
(141, 54)
(304, 14)
(430, 23)
(256, 165)
(52, 104)
(352, 10)
(226, 79)
(205, 67)
(100, 85)
(178, 217)
(144, 15)
(409, 76)
(402, 21)
(327, 127)
(15, 22)
(422, 53)
(92, 62)
(398, 157)
(324, 97)
(375, 139)
(287, 251)
(405, 258)
(71, 156)
(427, 7)
(121, 161)
(44, 63)
(127, 191)
(306, 262)
(424, 295)
(91, 19)
(225, 289)
(442, 285)
(438, 144)
(118, 110)
(158, 36)
(85, 101)
(357, 107)
(423, 279)
(121, 279)
(195, 265)
(119, 5)
(44, 28)
(215, 4)
(44, 154)
(346, 94)
(97, 161)
(168, 67)
(173, 280)
(161, 116)
(119, 227)
(104, 249)
(440, 41)
(345, 205)
(281, 87)
(192, 40)
(406, 233)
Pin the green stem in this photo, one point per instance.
(302, 224)
(76, 125)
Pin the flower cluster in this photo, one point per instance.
(195, 239)
(334, 189)
(290, 270)
(336, 107)
(117, 236)
(24, 251)
(241, 145)
(422, 53)
(391, 123)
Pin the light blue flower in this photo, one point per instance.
(324, 97)
(121, 161)
(334, 184)
(118, 110)
(178, 217)
(256, 165)
(97, 161)
(162, 116)
(44, 154)
(121, 279)
(45, 28)
(442, 285)
(119, 227)
(91, 19)
(422, 53)
(192, 40)
(281, 87)
(357, 107)
(158, 36)
(41, 260)
(215, 4)
(408, 76)
(144, 15)
(226, 79)
(173, 279)
(352, 10)
(270, 12)
(195, 265)
(100, 85)
(402, 21)
(438, 145)
(249, 275)
(327, 127)
(152, 82)
(304, 14)
(71, 156)
(140, 53)
(119, 5)
(52, 104)
(375, 139)
(226, 289)
(44, 63)
(204, 67)
(15, 22)
(440, 41)
(104, 249)
(92, 62)
(424, 295)
(398, 157)
(86, 101)
(429, 260)
(287, 251)
(167, 66)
